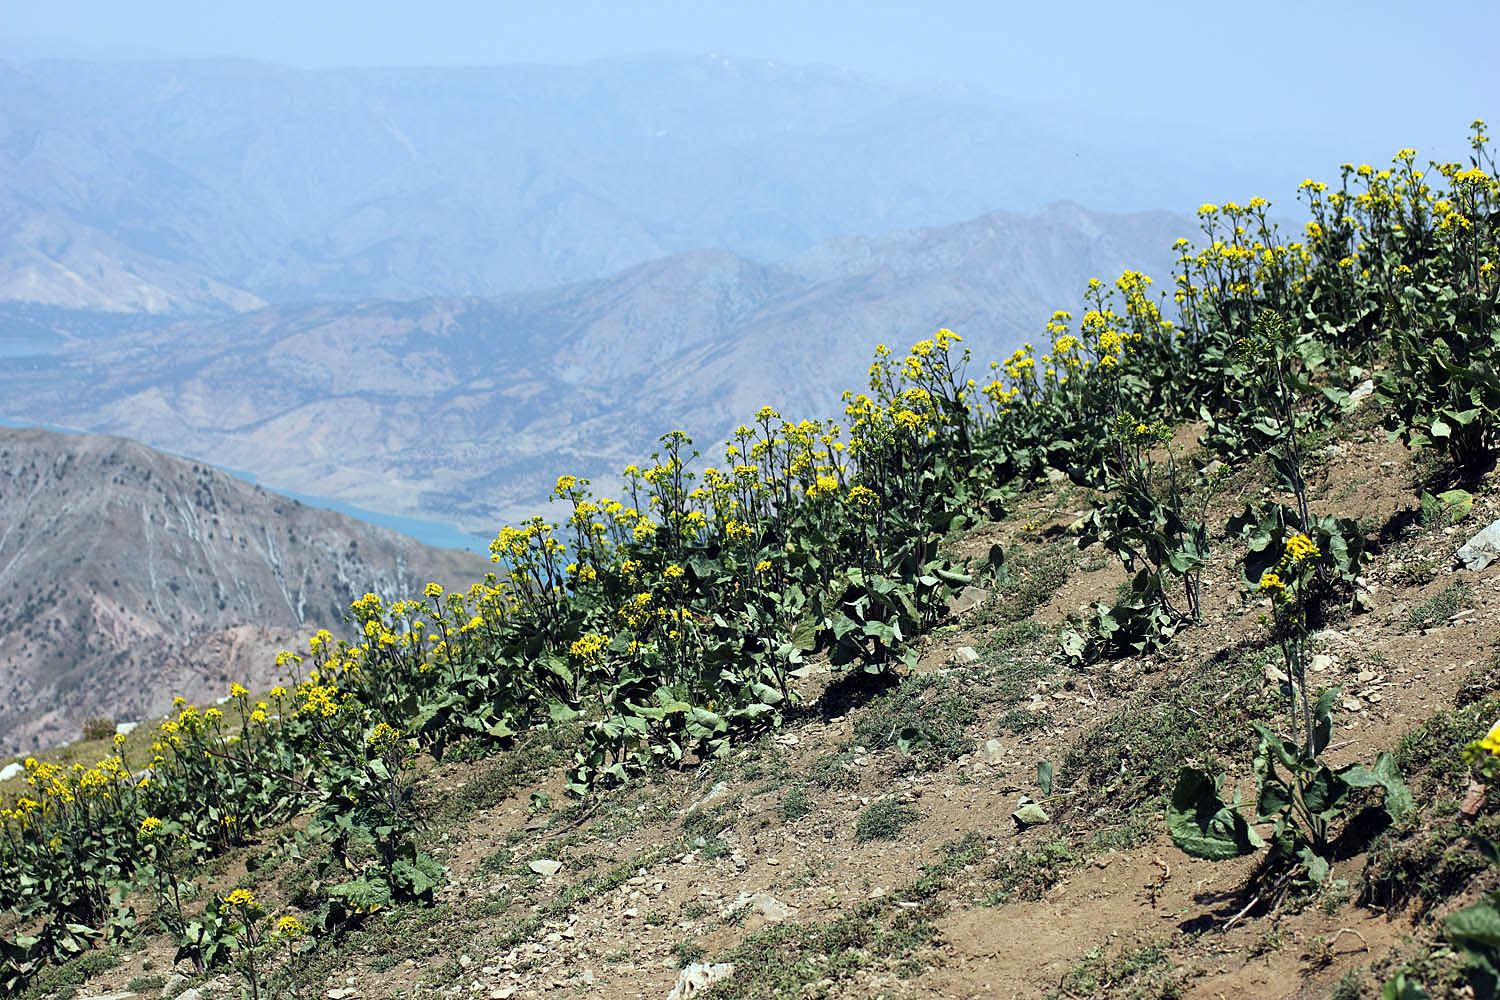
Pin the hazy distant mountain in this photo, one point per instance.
(128, 576)
(209, 185)
(465, 410)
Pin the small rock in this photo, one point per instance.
(965, 654)
(1320, 663)
(1334, 451)
(545, 867)
(993, 752)
(967, 600)
(698, 977)
(1351, 705)
(1030, 814)
(1366, 676)
(12, 770)
(1374, 697)
(174, 985)
(1363, 603)
(715, 793)
(1481, 550)
(1056, 475)
(125, 728)
(1361, 392)
(191, 994)
(342, 993)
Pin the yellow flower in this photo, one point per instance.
(672, 572)
(240, 897)
(763, 566)
(149, 826)
(1491, 743)
(290, 927)
(1300, 548)
(1272, 584)
(238, 691)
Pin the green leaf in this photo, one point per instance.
(1398, 987)
(1044, 777)
(804, 635)
(1202, 826)
(1315, 863)
(1323, 719)
(1385, 773)
(996, 563)
(1476, 927)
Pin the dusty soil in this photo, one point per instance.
(690, 865)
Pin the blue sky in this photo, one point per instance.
(1372, 75)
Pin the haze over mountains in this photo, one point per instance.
(128, 576)
(215, 185)
(466, 410)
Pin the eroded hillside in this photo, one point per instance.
(128, 576)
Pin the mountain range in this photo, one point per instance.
(128, 576)
(464, 410)
(222, 185)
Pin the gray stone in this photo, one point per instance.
(715, 793)
(545, 867)
(993, 752)
(12, 770)
(1320, 663)
(175, 984)
(967, 600)
(965, 654)
(192, 994)
(1056, 475)
(698, 977)
(1361, 392)
(1030, 814)
(1481, 550)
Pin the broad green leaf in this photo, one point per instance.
(1385, 774)
(1202, 826)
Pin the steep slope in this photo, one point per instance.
(127, 576)
(466, 409)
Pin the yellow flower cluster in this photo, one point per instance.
(1299, 548)
(1272, 584)
(589, 648)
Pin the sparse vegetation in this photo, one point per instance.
(883, 820)
(657, 642)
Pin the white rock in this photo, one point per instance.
(965, 654)
(545, 867)
(714, 794)
(993, 752)
(698, 977)
(12, 770)
(1481, 550)
(1320, 662)
(125, 728)
(1361, 392)
(175, 984)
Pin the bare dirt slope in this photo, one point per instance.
(829, 860)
